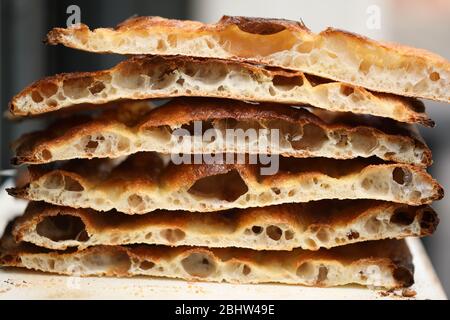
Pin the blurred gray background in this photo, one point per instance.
(419, 23)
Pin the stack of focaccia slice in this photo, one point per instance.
(322, 195)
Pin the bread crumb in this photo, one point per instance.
(409, 293)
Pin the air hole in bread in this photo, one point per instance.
(363, 140)
(162, 83)
(71, 184)
(434, 76)
(276, 191)
(91, 146)
(83, 236)
(274, 232)
(212, 75)
(372, 225)
(62, 227)
(161, 45)
(257, 229)
(190, 127)
(256, 27)
(199, 265)
(311, 243)
(289, 235)
(246, 270)
(97, 87)
(415, 195)
(173, 40)
(77, 88)
(46, 154)
(367, 183)
(364, 67)
(403, 276)
(51, 264)
(36, 96)
(123, 144)
(227, 186)
(54, 181)
(403, 216)
(48, 89)
(346, 90)
(305, 270)
(416, 105)
(402, 176)
(128, 79)
(135, 201)
(173, 235)
(287, 83)
(209, 44)
(313, 138)
(146, 265)
(113, 262)
(352, 235)
(389, 155)
(316, 80)
(323, 235)
(51, 103)
(428, 219)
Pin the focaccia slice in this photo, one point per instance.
(144, 182)
(157, 77)
(136, 126)
(333, 54)
(310, 226)
(384, 263)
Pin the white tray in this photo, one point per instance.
(23, 284)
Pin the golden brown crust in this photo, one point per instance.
(142, 183)
(135, 124)
(347, 264)
(310, 226)
(267, 41)
(211, 81)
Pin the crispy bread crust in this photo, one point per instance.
(143, 183)
(384, 263)
(311, 225)
(275, 42)
(185, 76)
(135, 124)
